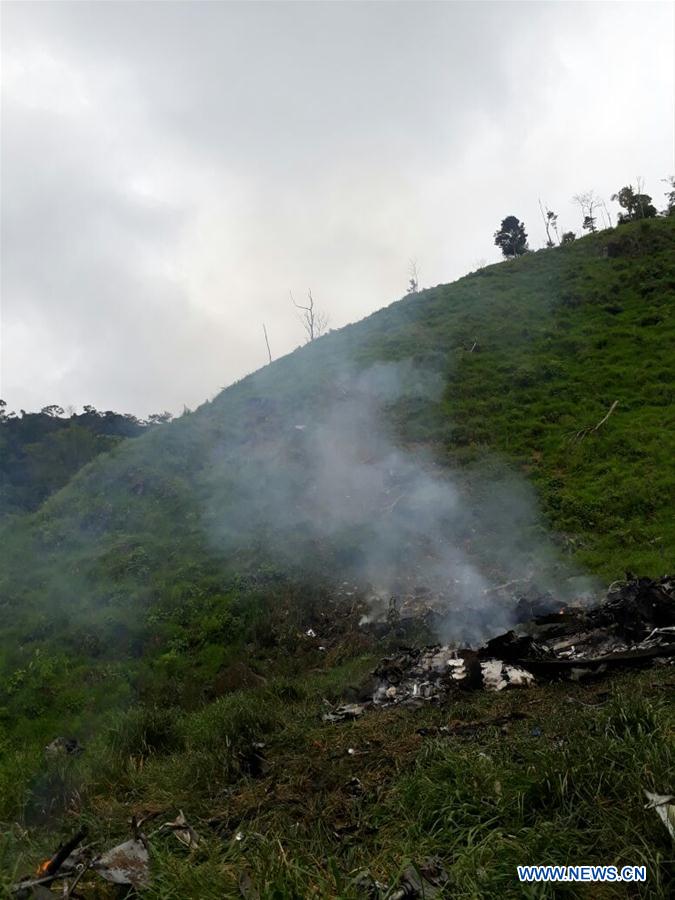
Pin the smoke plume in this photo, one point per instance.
(325, 485)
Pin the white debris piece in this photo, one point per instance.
(128, 863)
(493, 677)
(344, 712)
(457, 669)
(182, 830)
(498, 675)
(664, 804)
(518, 677)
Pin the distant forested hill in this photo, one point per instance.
(40, 452)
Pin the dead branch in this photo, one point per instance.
(267, 342)
(609, 413)
(22, 886)
(313, 321)
(584, 432)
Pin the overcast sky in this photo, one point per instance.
(171, 170)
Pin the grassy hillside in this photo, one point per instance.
(157, 578)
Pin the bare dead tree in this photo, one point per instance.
(588, 203)
(606, 213)
(267, 343)
(414, 277)
(314, 321)
(550, 222)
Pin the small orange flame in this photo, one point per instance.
(43, 868)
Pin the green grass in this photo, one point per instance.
(483, 801)
(123, 622)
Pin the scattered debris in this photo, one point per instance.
(70, 890)
(634, 627)
(425, 881)
(61, 864)
(345, 712)
(531, 603)
(64, 745)
(366, 887)
(415, 676)
(601, 699)
(59, 859)
(664, 804)
(182, 830)
(498, 675)
(246, 887)
(354, 787)
(458, 727)
(252, 759)
(128, 863)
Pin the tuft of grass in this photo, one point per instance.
(144, 731)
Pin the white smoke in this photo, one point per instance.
(325, 485)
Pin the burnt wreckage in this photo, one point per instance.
(635, 626)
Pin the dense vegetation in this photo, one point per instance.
(114, 594)
(40, 452)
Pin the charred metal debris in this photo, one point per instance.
(126, 864)
(633, 627)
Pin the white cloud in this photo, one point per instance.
(170, 171)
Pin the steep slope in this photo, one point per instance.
(512, 366)
(181, 570)
(532, 354)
